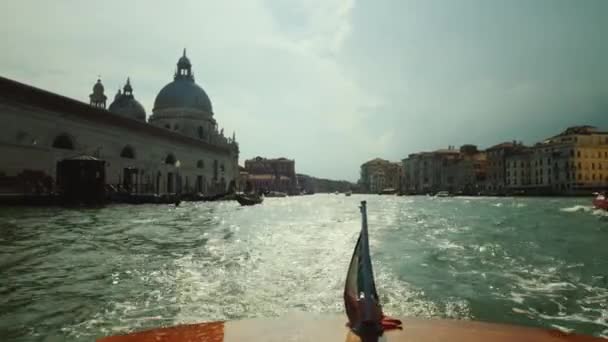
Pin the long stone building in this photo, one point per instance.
(180, 148)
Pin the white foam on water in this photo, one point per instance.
(517, 297)
(447, 244)
(600, 212)
(260, 262)
(522, 312)
(577, 208)
(143, 221)
(561, 328)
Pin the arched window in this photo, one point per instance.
(127, 152)
(63, 141)
(200, 164)
(201, 132)
(170, 159)
(167, 126)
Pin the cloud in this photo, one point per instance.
(332, 83)
(266, 77)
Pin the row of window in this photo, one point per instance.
(567, 166)
(64, 141)
(569, 176)
(590, 155)
(200, 131)
(540, 161)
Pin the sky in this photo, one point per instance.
(333, 83)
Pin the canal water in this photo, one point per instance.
(74, 275)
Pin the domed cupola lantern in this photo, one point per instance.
(184, 68)
(126, 105)
(127, 90)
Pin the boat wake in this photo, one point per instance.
(577, 208)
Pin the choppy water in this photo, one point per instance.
(73, 275)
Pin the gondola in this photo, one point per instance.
(249, 199)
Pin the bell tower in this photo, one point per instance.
(98, 98)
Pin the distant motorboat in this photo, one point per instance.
(249, 199)
(388, 191)
(443, 194)
(348, 193)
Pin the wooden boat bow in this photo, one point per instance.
(310, 328)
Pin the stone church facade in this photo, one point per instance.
(178, 149)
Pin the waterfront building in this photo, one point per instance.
(468, 171)
(579, 159)
(425, 172)
(572, 162)
(444, 170)
(496, 165)
(179, 149)
(518, 171)
(379, 174)
(272, 174)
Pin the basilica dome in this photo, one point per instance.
(183, 92)
(125, 104)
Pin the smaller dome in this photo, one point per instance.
(126, 105)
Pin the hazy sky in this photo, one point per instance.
(333, 83)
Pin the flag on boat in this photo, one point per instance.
(361, 300)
